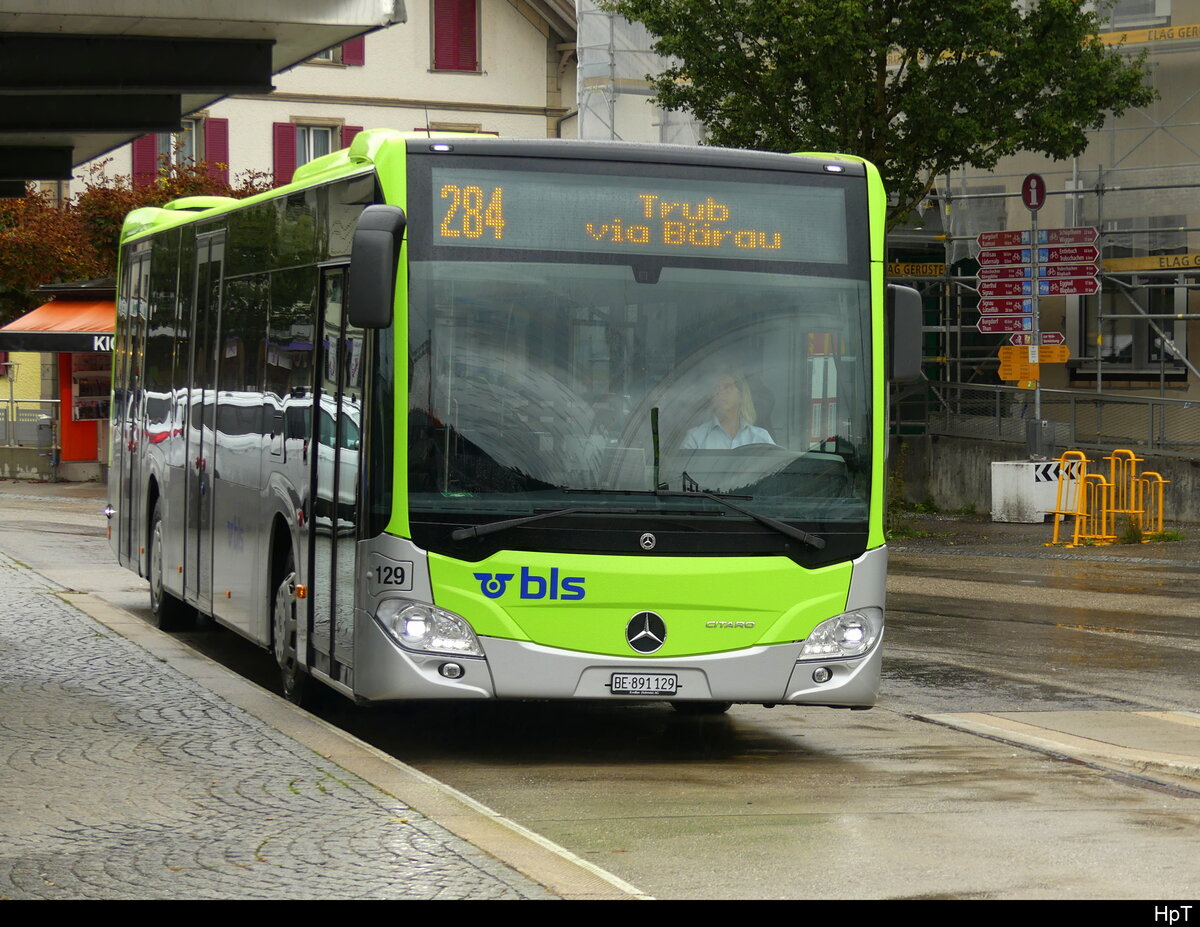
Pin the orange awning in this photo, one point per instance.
(63, 325)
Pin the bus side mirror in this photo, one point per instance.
(903, 330)
(374, 263)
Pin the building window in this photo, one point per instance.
(455, 35)
(297, 143)
(182, 147)
(1127, 13)
(313, 142)
(349, 54)
(200, 139)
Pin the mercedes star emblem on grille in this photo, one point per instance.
(646, 632)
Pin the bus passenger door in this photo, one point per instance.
(137, 294)
(201, 420)
(337, 419)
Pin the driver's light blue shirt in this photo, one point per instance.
(712, 437)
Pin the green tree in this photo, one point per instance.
(919, 87)
(42, 241)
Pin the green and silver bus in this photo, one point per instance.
(464, 417)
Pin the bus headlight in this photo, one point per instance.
(850, 634)
(417, 626)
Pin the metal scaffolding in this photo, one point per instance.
(615, 55)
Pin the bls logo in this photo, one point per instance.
(493, 586)
(533, 586)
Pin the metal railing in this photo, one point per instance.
(1078, 418)
(29, 423)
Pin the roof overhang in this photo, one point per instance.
(63, 325)
(79, 78)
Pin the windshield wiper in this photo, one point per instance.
(692, 490)
(767, 520)
(478, 531)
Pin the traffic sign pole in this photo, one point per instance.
(1033, 195)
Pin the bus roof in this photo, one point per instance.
(370, 146)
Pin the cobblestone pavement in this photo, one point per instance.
(124, 778)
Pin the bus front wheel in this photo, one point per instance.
(170, 614)
(294, 680)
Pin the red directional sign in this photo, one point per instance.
(1006, 288)
(1080, 235)
(1051, 271)
(1005, 257)
(993, 324)
(1046, 338)
(1016, 272)
(1068, 286)
(1004, 306)
(1002, 239)
(1068, 254)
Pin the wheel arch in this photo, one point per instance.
(153, 494)
(282, 543)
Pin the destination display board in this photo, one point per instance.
(547, 211)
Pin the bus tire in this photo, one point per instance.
(702, 708)
(170, 614)
(298, 687)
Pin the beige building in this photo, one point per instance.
(498, 66)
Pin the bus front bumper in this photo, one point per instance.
(523, 670)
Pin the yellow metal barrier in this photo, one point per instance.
(1095, 501)
(1151, 487)
(1072, 468)
(1123, 483)
(1094, 523)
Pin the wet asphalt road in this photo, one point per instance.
(774, 803)
(797, 803)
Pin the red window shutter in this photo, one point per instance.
(455, 44)
(285, 152)
(354, 52)
(145, 160)
(216, 149)
(348, 133)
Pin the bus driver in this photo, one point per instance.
(732, 424)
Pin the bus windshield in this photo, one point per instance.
(544, 377)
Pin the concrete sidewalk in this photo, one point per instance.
(134, 768)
